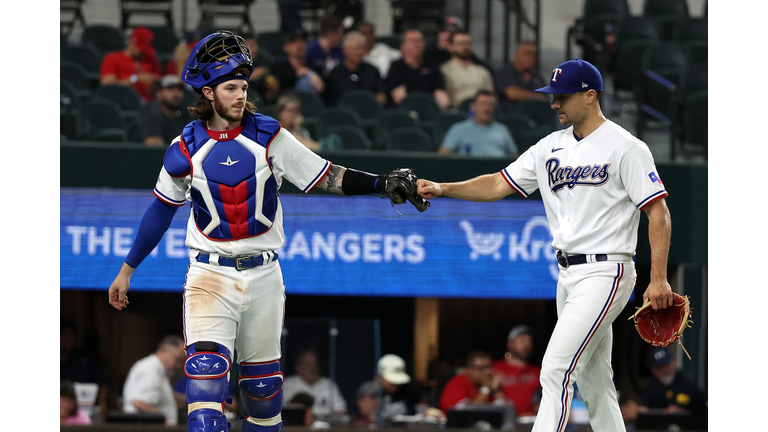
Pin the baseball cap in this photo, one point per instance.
(520, 330)
(661, 357)
(392, 368)
(452, 24)
(367, 389)
(144, 40)
(573, 76)
(170, 80)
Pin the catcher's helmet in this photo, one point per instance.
(215, 56)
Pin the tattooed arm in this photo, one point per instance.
(332, 181)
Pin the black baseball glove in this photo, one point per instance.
(401, 185)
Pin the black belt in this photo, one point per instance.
(570, 260)
(566, 261)
(241, 263)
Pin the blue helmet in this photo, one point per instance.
(216, 56)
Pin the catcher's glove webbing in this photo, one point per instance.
(401, 185)
(663, 326)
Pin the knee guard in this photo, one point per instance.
(207, 370)
(261, 386)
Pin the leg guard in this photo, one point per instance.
(207, 369)
(261, 386)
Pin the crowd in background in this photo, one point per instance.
(155, 385)
(335, 62)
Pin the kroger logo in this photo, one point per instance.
(531, 244)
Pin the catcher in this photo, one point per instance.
(226, 168)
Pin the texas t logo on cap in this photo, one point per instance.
(574, 76)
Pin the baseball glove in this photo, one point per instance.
(401, 187)
(664, 326)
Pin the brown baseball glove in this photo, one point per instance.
(664, 326)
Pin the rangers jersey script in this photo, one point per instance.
(590, 187)
(231, 179)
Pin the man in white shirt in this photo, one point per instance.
(378, 54)
(328, 398)
(147, 388)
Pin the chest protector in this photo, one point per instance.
(233, 191)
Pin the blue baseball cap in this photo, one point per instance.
(573, 76)
(661, 357)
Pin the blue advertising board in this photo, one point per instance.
(334, 245)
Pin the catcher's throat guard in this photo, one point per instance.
(662, 327)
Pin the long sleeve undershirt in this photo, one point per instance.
(156, 221)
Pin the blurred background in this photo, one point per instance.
(363, 281)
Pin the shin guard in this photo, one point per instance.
(261, 386)
(207, 369)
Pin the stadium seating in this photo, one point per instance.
(540, 112)
(517, 123)
(338, 115)
(105, 38)
(103, 121)
(78, 76)
(410, 139)
(126, 97)
(364, 103)
(352, 138)
(387, 121)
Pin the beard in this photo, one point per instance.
(173, 106)
(224, 111)
(464, 55)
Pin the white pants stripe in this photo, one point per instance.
(589, 298)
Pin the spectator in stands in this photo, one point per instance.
(294, 73)
(476, 385)
(307, 401)
(325, 52)
(411, 73)
(80, 365)
(69, 412)
(288, 113)
(668, 390)
(262, 80)
(328, 398)
(480, 135)
(163, 119)
(367, 406)
(519, 379)
(147, 387)
(400, 394)
(441, 51)
(135, 66)
(353, 73)
(517, 81)
(378, 54)
(463, 78)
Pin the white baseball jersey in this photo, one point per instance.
(148, 382)
(236, 213)
(592, 188)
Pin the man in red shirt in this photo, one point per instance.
(135, 66)
(478, 384)
(519, 379)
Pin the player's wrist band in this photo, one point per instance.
(356, 182)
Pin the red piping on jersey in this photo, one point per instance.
(330, 164)
(167, 202)
(511, 185)
(665, 194)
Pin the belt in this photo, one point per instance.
(569, 260)
(240, 263)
